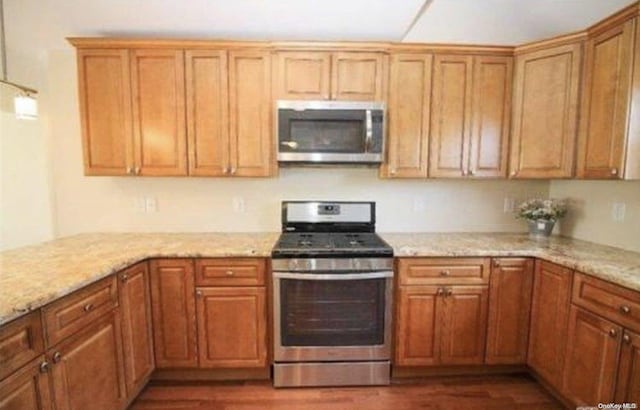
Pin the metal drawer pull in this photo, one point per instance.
(613, 333)
(626, 339)
(444, 273)
(88, 307)
(57, 357)
(124, 278)
(229, 273)
(614, 171)
(449, 292)
(497, 264)
(625, 309)
(440, 292)
(44, 367)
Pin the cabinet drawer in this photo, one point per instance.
(608, 300)
(230, 272)
(72, 313)
(449, 271)
(20, 342)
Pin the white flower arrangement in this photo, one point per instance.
(542, 209)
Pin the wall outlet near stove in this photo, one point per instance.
(618, 211)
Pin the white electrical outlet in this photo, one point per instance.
(151, 204)
(139, 205)
(238, 204)
(509, 205)
(618, 210)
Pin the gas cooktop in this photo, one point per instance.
(329, 229)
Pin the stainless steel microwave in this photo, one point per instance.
(330, 131)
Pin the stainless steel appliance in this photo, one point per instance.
(332, 287)
(330, 131)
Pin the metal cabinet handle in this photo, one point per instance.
(88, 307)
(444, 273)
(496, 263)
(471, 172)
(229, 273)
(626, 339)
(449, 292)
(624, 309)
(392, 171)
(124, 278)
(199, 293)
(613, 333)
(233, 171)
(440, 292)
(57, 357)
(137, 170)
(464, 173)
(514, 173)
(614, 171)
(44, 367)
(129, 170)
(290, 144)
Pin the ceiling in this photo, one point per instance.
(43, 24)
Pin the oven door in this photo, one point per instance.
(332, 317)
(332, 131)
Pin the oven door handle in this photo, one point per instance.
(334, 276)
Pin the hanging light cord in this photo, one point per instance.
(3, 46)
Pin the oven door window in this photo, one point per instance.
(332, 312)
(326, 131)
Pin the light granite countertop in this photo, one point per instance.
(32, 276)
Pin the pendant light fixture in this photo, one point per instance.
(25, 104)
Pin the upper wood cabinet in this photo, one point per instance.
(251, 144)
(609, 146)
(105, 111)
(174, 312)
(157, 80)
(545, 111)
(509, 310)
(470, 115)
(408, 114)
(549, 319)
(207, 112)
(323, 75)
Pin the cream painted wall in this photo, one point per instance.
(205, 204)
(590, 217)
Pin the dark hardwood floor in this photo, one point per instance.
(473, 393)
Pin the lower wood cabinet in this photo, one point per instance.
(591, 358)
(232, 327)
(28, 388)
(549, 319)
(628, 382)
(174, 313)
(87, 369)
(135, 308)
(440, 325)
(509, 310)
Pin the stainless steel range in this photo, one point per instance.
(332, 284)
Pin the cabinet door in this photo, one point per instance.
(491, 116)
(232, 327)
(302, 75)
(207, 112)
(358, 76)
(628, 385)
(251, 142)
(105, 111)
(607, 82)
(418, 327)
(87, 369)
(509, 310)
(174, 312)
(450, 116)
(549, 319)
(545, 112)
(593, 346)
(27, 388)
(160, 140)
(408, 116)
(135, 308)
(464, 325)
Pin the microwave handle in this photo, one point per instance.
(368, 131)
